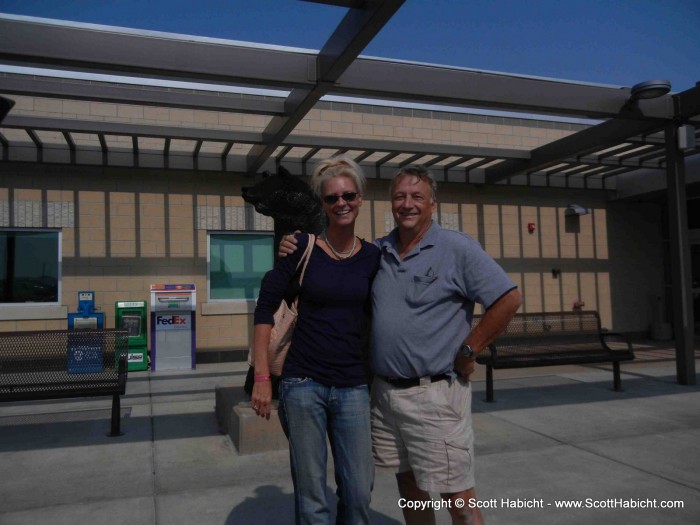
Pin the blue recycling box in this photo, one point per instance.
(85, 354)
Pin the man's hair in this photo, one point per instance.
(340, 166)
(415, 170)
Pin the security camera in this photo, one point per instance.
(575, 209)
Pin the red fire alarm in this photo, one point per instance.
(531, 227)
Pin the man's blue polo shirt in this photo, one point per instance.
(422, 306)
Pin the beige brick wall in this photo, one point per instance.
(382, 210)
(122, 222)
(567, 243)
(128, 240)
(532, 291)
(91, 219)
(492, 242)
(601, 234)
(137, 227)
(181, 231)
(428, 130)
(549, 232)
(29, 326)
(437, 128)
(510, 217)
(552, 295)
(152, 225)
(604, 304)
(531, 241)
(470, 221)
(125, 113)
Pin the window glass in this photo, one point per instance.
(237, 264)
(29, 266)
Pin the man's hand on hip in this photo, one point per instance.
(465, 366)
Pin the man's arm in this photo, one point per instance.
(493, 323)
(288, 245)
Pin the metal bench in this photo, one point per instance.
(62, 364)
(555, 338)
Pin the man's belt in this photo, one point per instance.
(408, 382)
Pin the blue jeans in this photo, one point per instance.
(308, 411)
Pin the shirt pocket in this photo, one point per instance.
(422, 289)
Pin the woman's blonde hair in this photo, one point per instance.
(340, 166)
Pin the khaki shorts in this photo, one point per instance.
(426, 429)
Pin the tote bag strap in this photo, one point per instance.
(307, 256)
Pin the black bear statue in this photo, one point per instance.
(293, 206)
(289, 201)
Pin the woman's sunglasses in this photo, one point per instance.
(347, 197)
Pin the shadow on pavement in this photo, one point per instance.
(272, 506)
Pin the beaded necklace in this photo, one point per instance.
(340, 255)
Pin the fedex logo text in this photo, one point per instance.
(173, 322)
(171, 319)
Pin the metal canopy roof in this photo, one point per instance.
(631, 137)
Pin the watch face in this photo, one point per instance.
(466, 351)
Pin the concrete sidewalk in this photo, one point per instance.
(553, 435)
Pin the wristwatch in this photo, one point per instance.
(465, 351)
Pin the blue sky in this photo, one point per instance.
(618, 42)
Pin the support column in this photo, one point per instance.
(681, 275)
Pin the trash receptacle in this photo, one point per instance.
(173, 308)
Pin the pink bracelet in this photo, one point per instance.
(261, 378)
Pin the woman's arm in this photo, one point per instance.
(275, 284)
(262, 387)
(272, 290)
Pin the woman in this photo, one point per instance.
(324, 387)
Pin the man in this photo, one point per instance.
(423, 350)
(422, 304)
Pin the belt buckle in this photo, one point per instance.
(424, 381)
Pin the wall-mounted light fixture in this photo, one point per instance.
(531, 227)
(556, 272)
(575, 209)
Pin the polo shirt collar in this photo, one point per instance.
(429, 239)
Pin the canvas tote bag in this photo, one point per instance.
(285, 321)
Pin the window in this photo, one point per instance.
(30, 266)
(237, 263)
